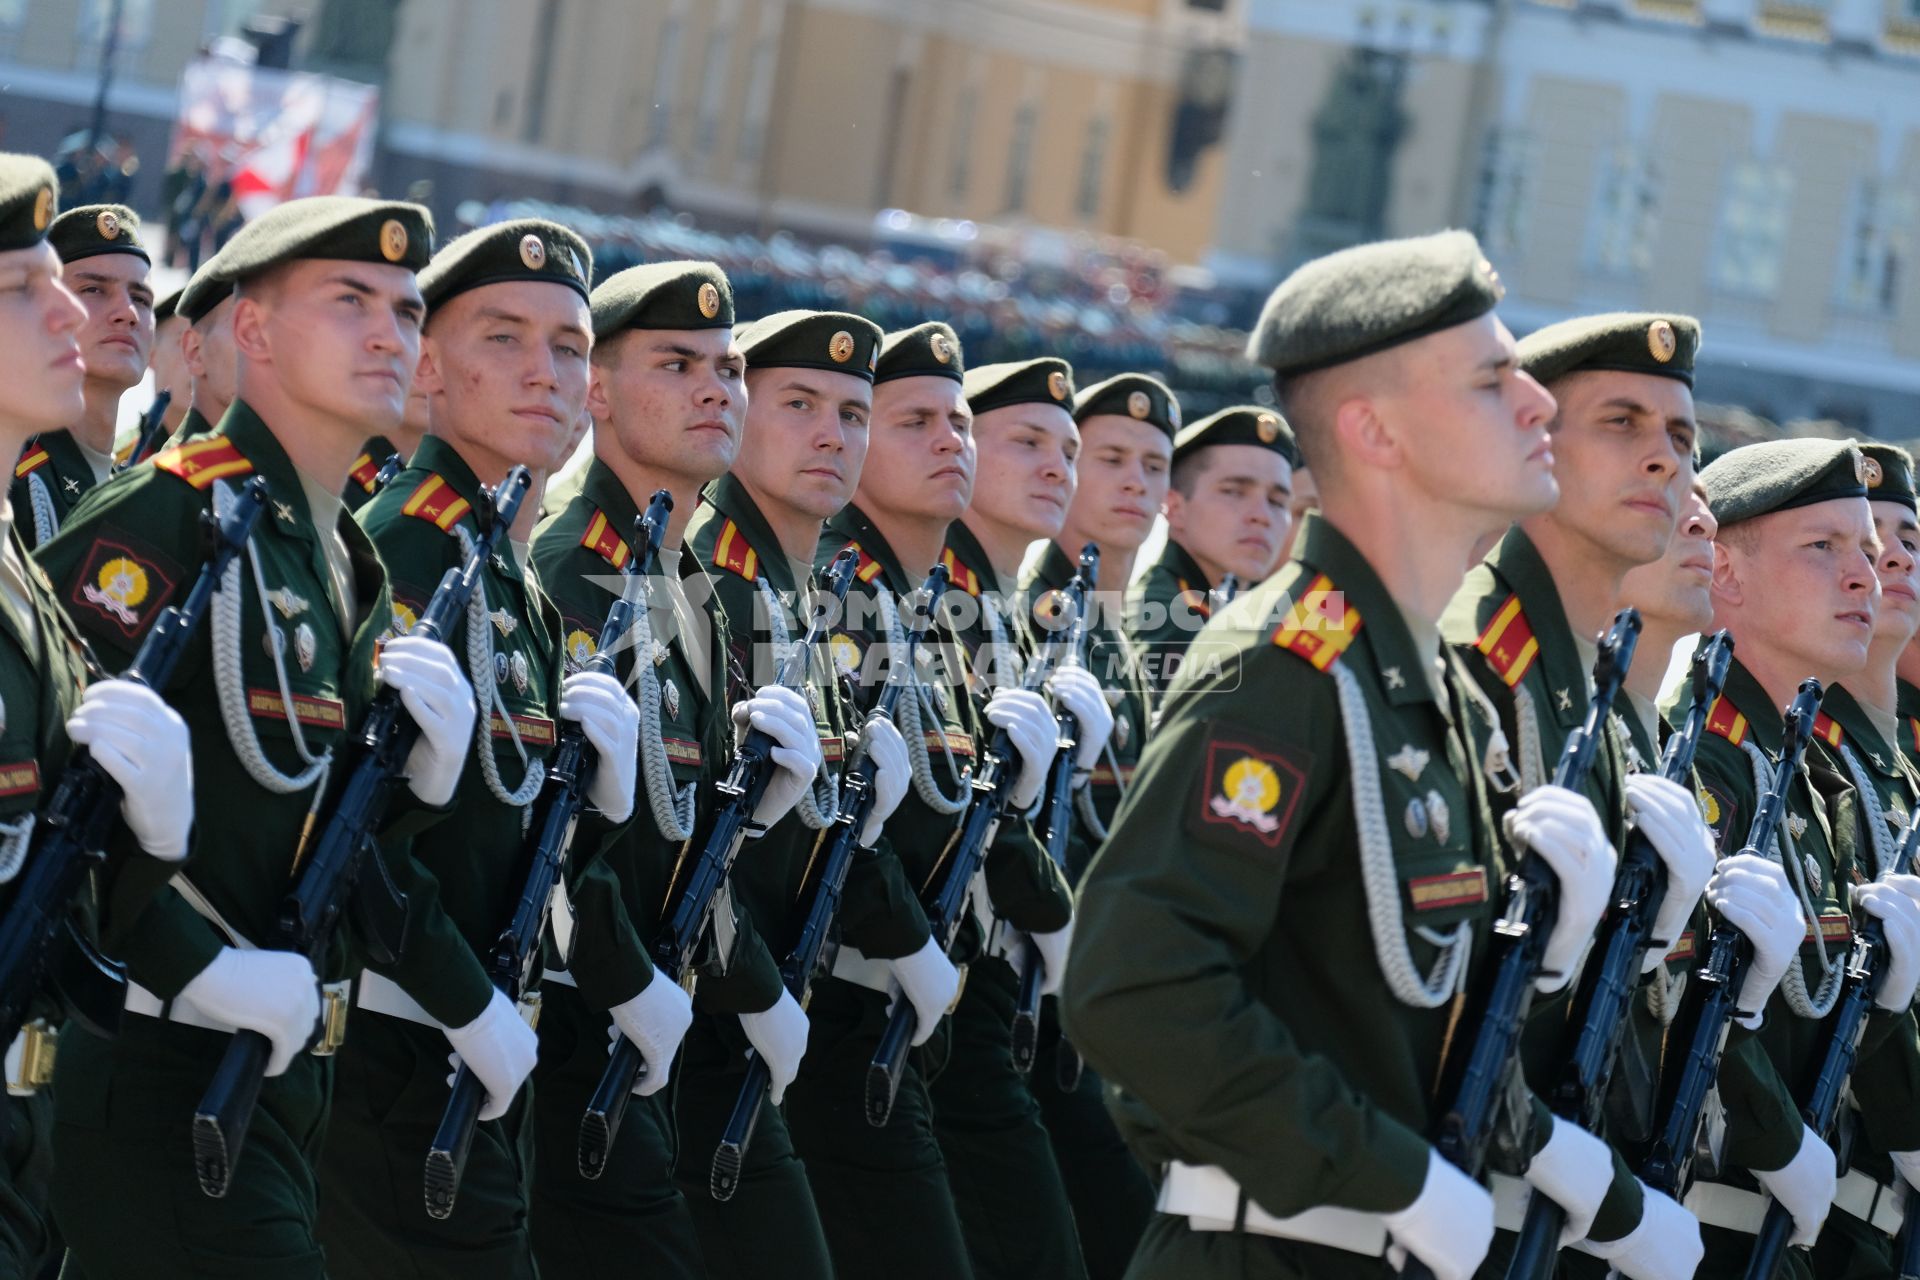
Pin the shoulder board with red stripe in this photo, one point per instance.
(603, 538)
(731, 552)
(867, 568)
(1828, 730)
(1727, 722)
(32, 458)
(436, 502)
(1200, 602)
(201, 462)
(958, 574)
(365, 472)
(1320, 624)
(1508, 643)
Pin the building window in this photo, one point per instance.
(1019, 155)
(666, 68)
(538, 83)
(1626, 213)
(1878, 245)
(1671, 10)
(1093, 168)
(713, 87)
(1506, 180)
(136, 22)
(959, 171)
(753, 130)
(1753, 228)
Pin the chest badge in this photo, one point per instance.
(1416, 818)
(305, 644)
(814, 704)
(1122, 731)
(501, 669)
(658, 651)
(1796, 825)
(290, 604)
(670, 698)
(1250, 792)
(940, 698)
(1439, 815)
(1814, 880)
(1409, 762)
(522, 672)
(503, 622)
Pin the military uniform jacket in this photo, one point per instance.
(192, 427)
(1165, 611)
(1761, 1091)
(1114, 663)
(49, 480)
(1909, 744)
(134, 547)
(1023, 887)
(363, 478)
(1279, 946)
(464, 874)
(733, 540)
(580, 551)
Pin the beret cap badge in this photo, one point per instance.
(1860, 465)
(1268, 426)
(937, 345)
(43, 209)
(709, 300)
(1057, 385)
(393, 240)
(1139, 405)
(533, 252)
(1661, 342)
(840, 347)
(1873, 474)
(108, 224)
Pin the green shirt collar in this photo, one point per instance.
(1868, 743)
(730, 498)
(966, 549)
(609, 496)
(1516, 563)
(286, 499)
(1175, 559)
(851, 524)
(1324, 549)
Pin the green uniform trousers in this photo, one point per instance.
(1013, 1204)
(882, 1193)
(1849, 1249)
(389, 1093)
(1171, 1250)
(1728, 1251)
(632, 1212)
(770, 1227)
(27, 1238)
(124, 1191)
(1112, 1196)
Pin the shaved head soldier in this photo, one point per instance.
(206, 348)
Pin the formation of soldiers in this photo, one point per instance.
(728, 860)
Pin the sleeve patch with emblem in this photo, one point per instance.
(1249, 793)
(124, 583)
(1716, 810)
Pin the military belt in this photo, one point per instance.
(1210, 1200)
(850, 964)
(30, 1058)
(1870, 1200)
(383, 995)
(1731, 1208)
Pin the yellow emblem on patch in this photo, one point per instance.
(709, 300)
(403, 619)
(533, 252)
(1250, 792)
(840, 347)
(1661, 342)
(581, 647)
(108, 225)
(393, 240)
(1057, 385)
(43, 209)
(1139, 404)
(846, 654)
(1709, 809)
(120, 588)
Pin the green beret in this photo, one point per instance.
(663, 295)
(930, 350)
(1622, 341)
(1779, 475)
(1372, 297)
(336, 228)
(206, 289)
(94, 229)
(164, 309)
(1048, 380)
(28, 200)
(833, 340)
(1242, 424)
(1890, 475)
(524, 249)
(1129, 395)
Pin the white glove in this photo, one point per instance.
(1053, 955)
(1899, 915)
(499, 1048)
(272, 992)
(1448, 1226)
(1805, 1186)
(1664, 1245)
(656, 1021)
(930, 982)
(438, 697)
(779, 1036)
(1076, 690)
(611, 721)
(143, 745)
(891, 773)
(1563, 829)
(1029, 725)
(1751, 894)
(1574, 1171)
(782, 715)
(1669, 816)
(1908, 1163)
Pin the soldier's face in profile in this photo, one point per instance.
(1121, 481)
(920, 455)
(505, 369)
(207, 350)
(1623, 455)
(1235, 517)
(170, 364)
(1677, 589)
(1802, 582)
(40, 362)
(1306, 497)
(118, 336)
(1899, 534)
(673, 399)
(806, 438)
(1025, 474)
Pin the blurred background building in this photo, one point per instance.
(1124, 178)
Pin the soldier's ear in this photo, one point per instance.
(250, 331)
(1727, 585)
(599, 400)
(193, 353)
(1364, 435)
(1175, 510)
(426, 375)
